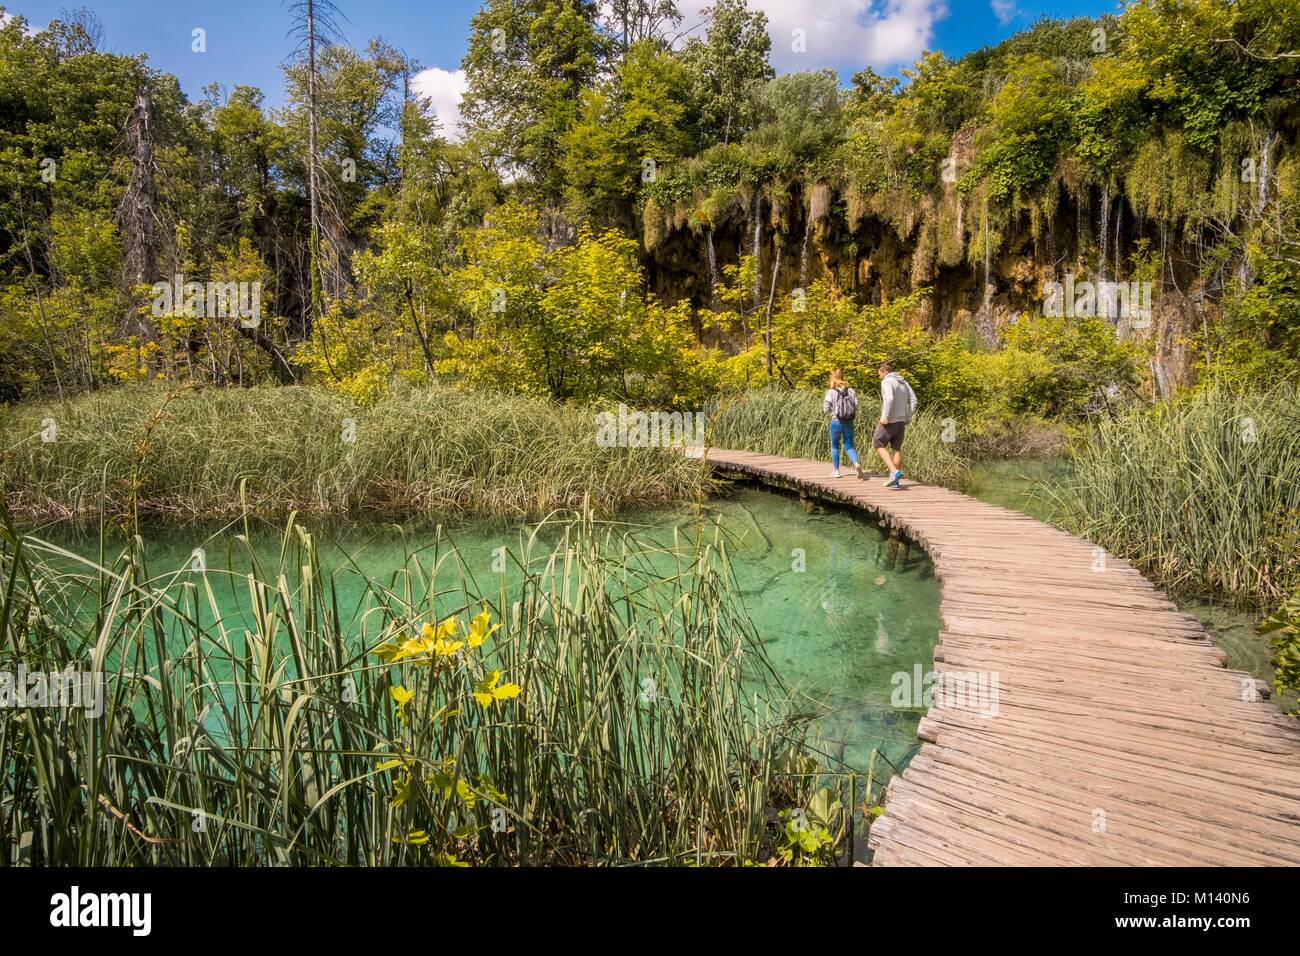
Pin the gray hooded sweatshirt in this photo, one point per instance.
(898, 400)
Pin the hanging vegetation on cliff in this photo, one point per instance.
(614, 185)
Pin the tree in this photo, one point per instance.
(527, 65)
(573, 323)
(941, 95)
(727, 69)
(357, 103)
(800, 118)
(629, 22)
(626, 130)
(314, 21)
(246, 149)
(871, 94)
(137, 211)
(1029, 122)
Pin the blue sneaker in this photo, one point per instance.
(894, 481)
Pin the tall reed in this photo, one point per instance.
(217, 452)
(791, 424)
(605, 707)
(1202, 492)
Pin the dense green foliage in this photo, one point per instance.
(505, 257)
(401, 728)
(1283, 628)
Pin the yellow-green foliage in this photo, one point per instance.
(1282, 627)
(1045, 366)
(572, 323)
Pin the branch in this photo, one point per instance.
(1267, 57)
(282, 368)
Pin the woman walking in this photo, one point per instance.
(842, 405)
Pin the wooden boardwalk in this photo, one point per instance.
(1119, 737)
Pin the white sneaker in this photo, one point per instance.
(835, 473)
(858, 469)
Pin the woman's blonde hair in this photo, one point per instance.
(837, 379)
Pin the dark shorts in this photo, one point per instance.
(890, 435)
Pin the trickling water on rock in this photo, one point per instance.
(758, 240)
(713, 270)
(803, 253)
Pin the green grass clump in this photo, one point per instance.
(426, 451)
(791, 424)
(605, 722)
(1202, 493)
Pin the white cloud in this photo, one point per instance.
(28, 29)
(444, 88)
(1004, 10)
(843, 34)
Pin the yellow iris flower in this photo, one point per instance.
(438, 640)
(479, 631)
(432, 640)
(403, 697)
(487, 691)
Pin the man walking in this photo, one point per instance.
(898, 405)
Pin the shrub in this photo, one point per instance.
(1283, 626)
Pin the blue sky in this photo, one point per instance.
(247, 40)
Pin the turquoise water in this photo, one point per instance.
(836, 615)
(844, 625)
(1021, 484)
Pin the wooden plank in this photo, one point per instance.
(1108, 697)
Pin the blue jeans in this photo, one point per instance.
(842, 431)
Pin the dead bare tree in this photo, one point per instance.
(78, 31)
(630, 21)
(137, 212)
(316, 25)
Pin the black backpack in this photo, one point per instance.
(846, 405)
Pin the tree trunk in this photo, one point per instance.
(137, 214)
(313, 188)
(284, 372)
